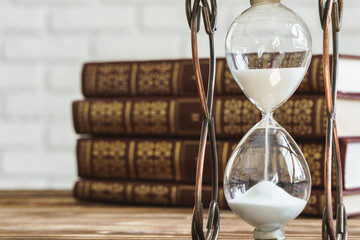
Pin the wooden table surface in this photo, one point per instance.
(56, 215)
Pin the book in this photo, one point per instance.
(180, 194)
(147, 192)
(172, 78)
(176, 77)
(316, 202)
(303, 116)
(168, 160)
(143, 159)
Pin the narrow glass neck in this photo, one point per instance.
(267, 115)
(256, 2)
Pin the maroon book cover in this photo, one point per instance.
(172, 78)
(303, 116)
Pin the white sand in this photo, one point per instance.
(267, 206)
(269, 87)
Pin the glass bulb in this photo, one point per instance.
(270, 37)
(267, 180)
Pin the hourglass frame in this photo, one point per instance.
(330, 10)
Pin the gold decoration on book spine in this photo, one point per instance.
(317, 73)
(231, 116)
(311, 207)
(313, 80)
(304, 85)
(303, 111)
(157, 194)
(160, 194)
(323, 117)
(154, 78)
(109, 159)
(239, 116)
(230, 86)
(296, 116)
(142, 193)
(313, 155)
(113, 79)
(322, 201)
(250, 116)
(275, 59)
(150, 117)
(107, 117)
(108, 191)
(153, 160)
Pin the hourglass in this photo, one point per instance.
(267, 180)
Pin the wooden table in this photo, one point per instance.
(56, 215)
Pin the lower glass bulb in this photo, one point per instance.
(267, 180)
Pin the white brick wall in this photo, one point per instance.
(43, 44)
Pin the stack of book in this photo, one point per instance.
(140, 125)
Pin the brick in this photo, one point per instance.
(164, 18)
(65, 77)
(94, 19)
(20, 77)
(351, 18)
(51, 3)
(34, 162)
(46, 48)
(20, 135)
(138, 46)
(61, 136)
(349, 43)
(203, 45)
(62, 182)
(46, 106)
(20, 19)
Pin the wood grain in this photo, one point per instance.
(56, 215)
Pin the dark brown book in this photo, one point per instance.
(179, 194)
(168, 160)
(172, 78)
(316, 203)
(147, 192)
(303, 116)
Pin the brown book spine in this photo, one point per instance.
(316, 203)
(303, 116)
(150, 159)
(172, 78)
(148, 193)
(167, 159)
(166, 194)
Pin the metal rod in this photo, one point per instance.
(193, 14)
(330, 11)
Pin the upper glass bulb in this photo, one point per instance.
(276, 41)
